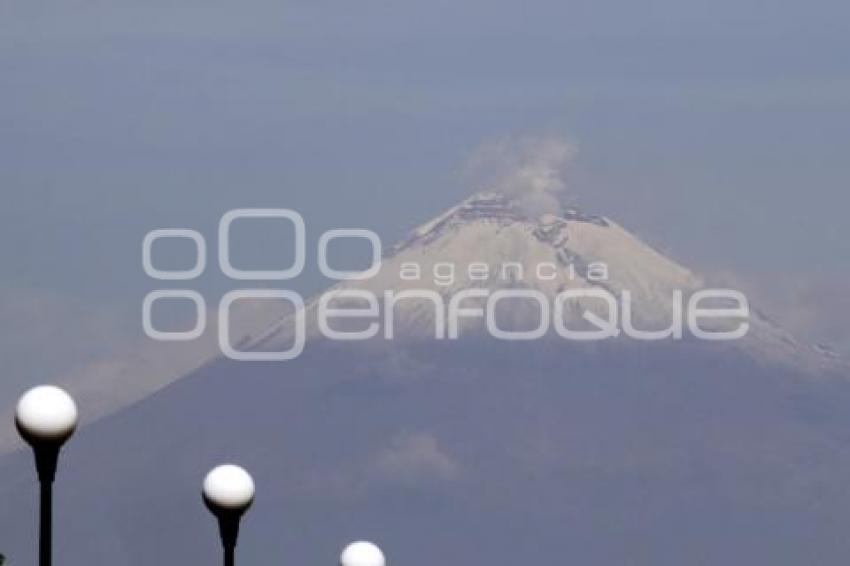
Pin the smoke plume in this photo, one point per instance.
(531, 170)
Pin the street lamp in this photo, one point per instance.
(46, 417)
(228, 492)
(362, 553)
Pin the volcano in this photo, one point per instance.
(477, 450)
(489, 242)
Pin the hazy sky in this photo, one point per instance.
(717, 130)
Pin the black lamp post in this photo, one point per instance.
(46, 417)
(228, 492)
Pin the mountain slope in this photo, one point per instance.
(472, 452)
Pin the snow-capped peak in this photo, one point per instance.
(490, 242)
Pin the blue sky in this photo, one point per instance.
(716, 130)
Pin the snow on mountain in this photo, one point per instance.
(489, 242)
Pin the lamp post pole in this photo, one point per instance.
(228, 492)
(46, 417)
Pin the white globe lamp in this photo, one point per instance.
(46, 416)
(362, 553)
